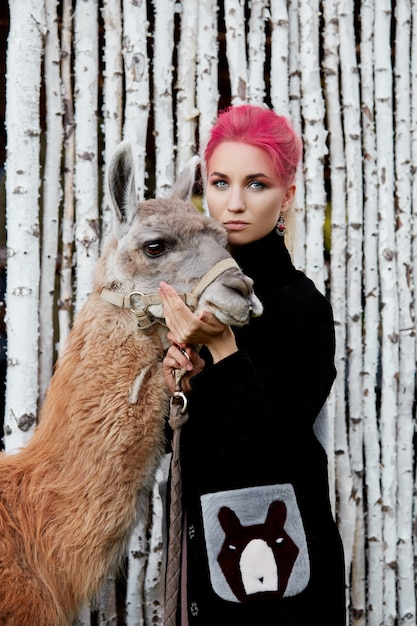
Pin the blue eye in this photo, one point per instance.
(220, 184)
(256, 185)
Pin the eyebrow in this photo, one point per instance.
(248, 177)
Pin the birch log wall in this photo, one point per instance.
(82, 75)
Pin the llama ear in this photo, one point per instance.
(121, 180)
(183, 187)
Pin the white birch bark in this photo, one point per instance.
(314, 139)
(86, 146)
(256, 52)
(162, 81)
(107, 613)
(372, 451)
(337, 403)
(352, 134)
(338, 193)
(136, 72)
(299, 245)
(414, 145)
(51, 198)
(414, 199)
(234, 18)
(66, 290)
(389, 299)
(137, 559)
(112, 132)
(186, 111)
(207, 71)
(207, 74)
(155, 570)
(405, 424)
(112, 99)
(136, 114)
(24, 55)
(84, 616)
(279, 57)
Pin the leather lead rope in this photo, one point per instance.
(178, 416)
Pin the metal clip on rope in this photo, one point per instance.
(178, 395)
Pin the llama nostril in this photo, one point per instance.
(241, 285)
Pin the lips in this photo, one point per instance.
(236, 225)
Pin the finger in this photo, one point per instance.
(178, 358)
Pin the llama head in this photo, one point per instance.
(257, 560)
(169, 240)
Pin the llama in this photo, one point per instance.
(68, 500)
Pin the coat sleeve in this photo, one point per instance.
(279, 379)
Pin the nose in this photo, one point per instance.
(240, 283)
(236, 201)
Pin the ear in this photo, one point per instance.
(288, 199)
(228, 519)
(183, 188)
(121, 181)
(277, 514)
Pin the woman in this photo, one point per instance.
(261, 543)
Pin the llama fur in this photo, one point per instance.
(68, 500)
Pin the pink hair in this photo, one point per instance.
(260, 127)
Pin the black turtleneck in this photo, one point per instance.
(267, 262)
(250, 426)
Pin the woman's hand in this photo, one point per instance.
(187, 328)
(181, 358)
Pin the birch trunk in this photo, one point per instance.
(51, 199)
(137, 557)
(112, 132)
(413, 78)
(338, 194)
(337, 402)
(86, 161)
(86, 146)
(279, 57)
(24, 56)
(66, 290)
(256, 52)
(405, 425)
(112, 100)
(186, 112)
(207, 72)
(162, 80)
(155, 570)
(414, 202)
(136, 72)
(234, 17)
(372, 451)
(107, 614)
(314, 139)
(389, 299)
(135, 128)
(299, 246)
(352, 134)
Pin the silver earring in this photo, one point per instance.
(281, 226)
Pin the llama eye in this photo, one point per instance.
(231, 547)
(154, 248)
(279, 541)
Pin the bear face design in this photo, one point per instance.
(257, 560)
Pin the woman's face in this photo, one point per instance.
(243, 192)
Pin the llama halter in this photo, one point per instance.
(139, 303)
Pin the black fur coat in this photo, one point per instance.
(262, 546)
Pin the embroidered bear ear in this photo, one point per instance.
(228, 519)
(277, 514)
